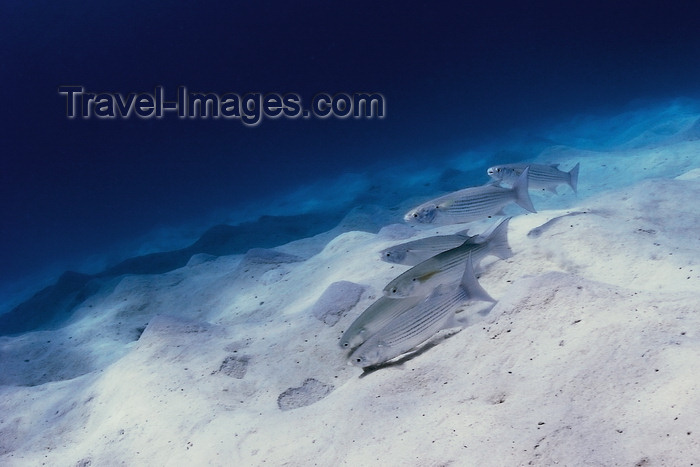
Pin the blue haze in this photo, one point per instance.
(81, 194)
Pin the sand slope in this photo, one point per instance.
(590, 357)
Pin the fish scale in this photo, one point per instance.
(439, 268)
(540, 176)
(377, 315)
(421, 322)
(416, 321)
(415, 251)
(387, 307)
(471, 204)
(482, 201)
(444, 267)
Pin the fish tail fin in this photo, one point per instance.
(498, 240)
(471, 285)
(522, 196)
(573, 177)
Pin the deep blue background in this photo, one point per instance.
(453, 74)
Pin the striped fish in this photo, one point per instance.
(420, 323)
(375, 317)
(541, 177)
(413, 252)
(446, 266)
(472, 204)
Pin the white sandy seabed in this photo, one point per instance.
(590, 357)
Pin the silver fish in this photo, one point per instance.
(420, 323)
(541, 177)
(413, 252)
(375, 317)
(446, 266)
(471, 204)
(537, 231)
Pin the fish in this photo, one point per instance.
(472, 204)
(537, 231)
(446, 266)
(413, 252)
(541, 177)
(376, 316)
(418, 324)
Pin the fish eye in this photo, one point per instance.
(345, 344)
(415, 214)
(393, 290)
(388, 254)
(413, 279)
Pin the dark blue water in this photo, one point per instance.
(454, 76)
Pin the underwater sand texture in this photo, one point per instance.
(590, 356)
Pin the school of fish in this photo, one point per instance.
(430, 296)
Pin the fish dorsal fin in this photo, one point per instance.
(471, 239)
(471, 285)
(493, 231)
